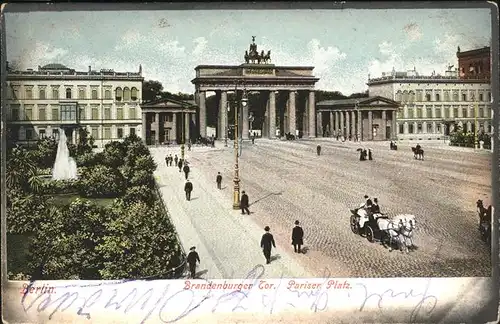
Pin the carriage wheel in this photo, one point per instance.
(369, 234)
(354, 225)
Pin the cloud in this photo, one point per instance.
(413, 31)
(40, 54)
(172, 48)
(201, 44)
(392, 60)
(130, 39)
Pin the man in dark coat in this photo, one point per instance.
(244, 204)
(370, 154)
(180, 165)
(318, 150)
(167, 160)
(219, 180)
(375, 207)
(191, 261)
(186, 170)
(297, 237)
(266, 243)
(176, 160)
(188, 188)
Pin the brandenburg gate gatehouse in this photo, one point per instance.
(286, 96)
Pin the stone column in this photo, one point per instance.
(384, 122)
(452, 112)
(370, 125)
(292, 121)
(405, 111)
(311, 112)
(186, 127)
(405, 128)
(342, 123)
(415, 128)
(394, 125)
(460, 112)
(320, 124)
(469, 127)
(245, 129)
(347, 124)
(353, 123)
(360, 126)
(144, 126)
(173, 136)
(434, 127)
(337, 122)
(332, 125)
(157, 128)
(424, 127)
(203, 113)
(223, 114)
(272, 114)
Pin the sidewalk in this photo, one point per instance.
(228, 243)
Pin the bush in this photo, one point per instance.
(45, 154)
(101, 182)
(60, 186)
(25, 212)
(113, 154)
(89, 159)
(138, 194)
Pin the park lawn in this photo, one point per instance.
(65, 199)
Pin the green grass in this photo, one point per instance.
(65, 199)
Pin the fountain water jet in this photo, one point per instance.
(64, 166)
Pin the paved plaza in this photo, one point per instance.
(286, 181)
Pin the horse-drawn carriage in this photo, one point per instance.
(484, 221)
(377, 227)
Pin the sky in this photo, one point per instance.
(344, 46)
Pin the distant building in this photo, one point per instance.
(474, 64)
(105, 102)
(433, 106)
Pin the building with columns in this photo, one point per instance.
(289, 91)
(365, 119)
(169, 121)
(433, 106)
(41, 102)
(474, 64)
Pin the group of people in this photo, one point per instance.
(364, 154)
(393, 146)
(371, 207)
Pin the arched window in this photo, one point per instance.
(405, 96)
(81, 93)
(399, 96)
(412, 97)
(107, 94)
(42, 94)
(126, 94)
(68, 93)
(134, 94)
(94, 94)
(118, 94)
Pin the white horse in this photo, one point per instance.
(390, 230)
(398, 229)
(407, 223)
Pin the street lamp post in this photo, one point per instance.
(226, 135)
(183, 135)
(358, 131)
(476, 143)
(236, 180)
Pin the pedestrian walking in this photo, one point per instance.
(189, 145)
(297, 237)
(318, 150)
(253, 138)
(266, 243)
(188, 188)
(176, 160)
(171, 159)
(186, 170)
(244, 203)
(219, 181)
(167, 160)
(370, 154)
(180, 165)
(191, 261)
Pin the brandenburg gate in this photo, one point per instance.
(288, 105)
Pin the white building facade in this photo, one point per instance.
(433, 106)
(105, 103)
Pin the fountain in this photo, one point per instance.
(64, 166)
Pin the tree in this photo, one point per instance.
(329, 95)
(151, 90)
(359, 94)
(113, 154)
(45, 154)
(101, 181)
(21, 173)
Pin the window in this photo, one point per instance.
(132, 113)
(28, 112)
(118, 94)
(405, 96)
(132, 131)
(419, 112)
(81, 93)
(428, 112)
(411, 129)
(94, 94)
(446, 112)
(429, 128)
(14, 112)
(126, 94)
(464, 97)
(427, 97)
(465, 112)
(399, 96)
(455, 96)
(400, 113)
(437, 111)
(119, 132)
(462, 70)
(55, 133)
(481, 112)
(107, 113)
(481, 97)
(134, 94)
(55, 93)
(489, 96)
(15, 93)
(68, 112)
(419, 128)
(95, 133)
(446, 96)
(30, 134)
(107, 133)
(410, 112)
(29, 93)
(95, 113)
(42, 112)
(438, 97)
(82, 115)
(455, 112)
(41, 133)
(55, 113)
(419, 95)
(107, 94)
(68, 93)
(401, 128)
(412, 97)
(41, 94)
(119, 113)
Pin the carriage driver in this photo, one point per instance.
(418, 147)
